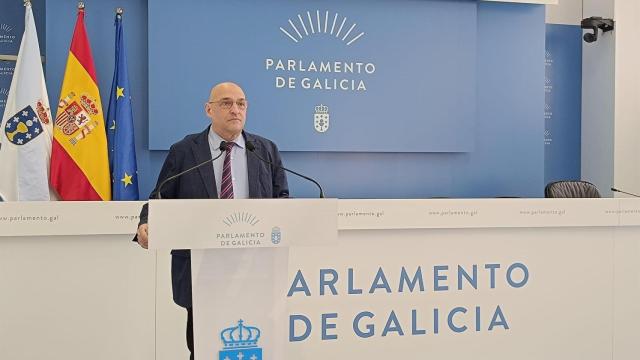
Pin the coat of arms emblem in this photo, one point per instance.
(321, 118)
(240, 342)
(276, 235)
(23, 127)
(74, 116)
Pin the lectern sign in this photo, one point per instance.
(227, 224)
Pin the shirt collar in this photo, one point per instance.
(215, 139)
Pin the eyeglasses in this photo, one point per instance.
(226, 104)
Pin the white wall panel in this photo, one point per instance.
(566, 12)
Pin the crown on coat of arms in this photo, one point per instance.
(42, 112)
(322, 109)
(240, 336)
(88, 105)
(67, 100)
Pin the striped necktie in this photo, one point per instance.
(226, 186)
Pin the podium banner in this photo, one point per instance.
(238, 305)
(236, 224)
(499, 293)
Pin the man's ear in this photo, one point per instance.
(207, 109)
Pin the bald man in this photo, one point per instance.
(243, 176)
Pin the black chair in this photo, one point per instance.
(571, 189)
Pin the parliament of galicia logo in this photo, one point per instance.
(240, 343)
(321, 118)
(322, 23)
(6, 28)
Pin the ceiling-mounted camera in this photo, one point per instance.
(594, 23)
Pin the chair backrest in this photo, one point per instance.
(571, 189)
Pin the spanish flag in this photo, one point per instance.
(79, 159)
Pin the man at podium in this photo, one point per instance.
(235, 174)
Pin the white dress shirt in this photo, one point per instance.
(239, 174)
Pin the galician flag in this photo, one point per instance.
(25, 133)
(122, 146)
(79, 160)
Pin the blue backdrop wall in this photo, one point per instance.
(508, 157)
(415, 90)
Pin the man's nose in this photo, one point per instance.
(234, 108)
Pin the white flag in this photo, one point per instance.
(25, 135)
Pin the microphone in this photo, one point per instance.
(252, 149)
(624, 192)
(222, 148)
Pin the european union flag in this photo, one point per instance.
(122, 149)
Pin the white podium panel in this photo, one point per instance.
(454, 294)
(77, 283)
(456, 279)
(47, 218)
(486, 213)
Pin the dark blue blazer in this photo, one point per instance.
(265, 181)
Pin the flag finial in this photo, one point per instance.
(80, 5)
(27, 2)
(119, 11)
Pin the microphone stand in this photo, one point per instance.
(222, 148)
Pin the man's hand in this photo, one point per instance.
(143, 235)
